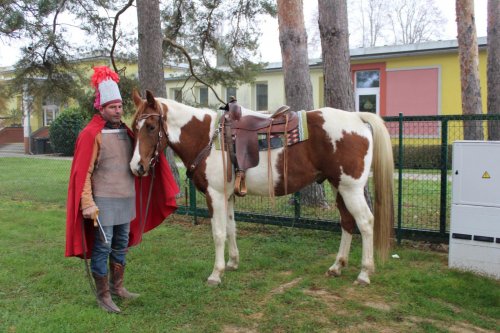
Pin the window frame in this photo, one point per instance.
(257, 103)
(205, 96)
(229, 95)
(176, 94)
(50, 108)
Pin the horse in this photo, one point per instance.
(342, 148)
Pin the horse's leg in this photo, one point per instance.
(347, 223)
(234, 256)
(355, 202)
(218, 221)
(342, 256)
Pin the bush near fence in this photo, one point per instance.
(421, 157)
(65, 129)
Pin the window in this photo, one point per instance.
(50, 111)
(367, 93)
(367, 79)
(261, 96)
(230, 92)
(203, 96)
(177, 94)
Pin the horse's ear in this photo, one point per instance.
(150, 99)
(137, 98)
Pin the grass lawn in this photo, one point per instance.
(279, 287)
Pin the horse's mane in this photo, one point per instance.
(181, 106)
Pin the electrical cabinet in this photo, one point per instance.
(475, 207)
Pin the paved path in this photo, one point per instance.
(42, 156)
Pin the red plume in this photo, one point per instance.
(102, 73)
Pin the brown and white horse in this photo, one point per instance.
(342, 147)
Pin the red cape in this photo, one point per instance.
(162, 202)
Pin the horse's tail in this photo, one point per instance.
(383, 175)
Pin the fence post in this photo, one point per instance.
(296, 202)
(400, 178)
(192, 201)
(444, 176)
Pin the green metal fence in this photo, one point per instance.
(422, 151)
(422, 183)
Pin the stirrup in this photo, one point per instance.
(240, 187)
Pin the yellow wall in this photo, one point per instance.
(246, 93)
(448, 64)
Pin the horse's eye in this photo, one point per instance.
(150, 127)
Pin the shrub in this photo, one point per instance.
(421, 157)
(64, 130)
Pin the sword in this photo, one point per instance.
(97, 223)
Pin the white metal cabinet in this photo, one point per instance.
(475, 207)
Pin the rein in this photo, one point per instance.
(203, 154)
(162, 130)
(152, 164)
(86, 260)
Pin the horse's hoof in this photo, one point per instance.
(232, 264)
(333, 272)
(362, 280)
(231, 267)
(361, 283)
(213, 281)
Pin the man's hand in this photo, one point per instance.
(90, 212)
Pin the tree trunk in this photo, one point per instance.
(150, 47)
(469, 67)
(298, 86)
(151, 59)
(494, 67)
(334, 35)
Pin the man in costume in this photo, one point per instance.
(104, 215)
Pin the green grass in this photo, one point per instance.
(46, 180)
(279, 287)
(43, 180)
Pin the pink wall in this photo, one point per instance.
(414, 92)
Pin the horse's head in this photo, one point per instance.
(150, 130)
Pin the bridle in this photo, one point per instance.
(152, 163)
(162, 130)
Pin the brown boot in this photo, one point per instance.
(103, 295)
(116, 282)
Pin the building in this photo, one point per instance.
(415, 79)
(33, 116)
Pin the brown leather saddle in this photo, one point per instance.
(241, 134)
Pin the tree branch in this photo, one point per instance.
(188, 57)
(115, 39)
(54, 27)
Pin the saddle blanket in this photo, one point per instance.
(277, 140)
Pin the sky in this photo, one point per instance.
(270, 47)
(270, 39)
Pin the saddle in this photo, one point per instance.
(241, 135)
